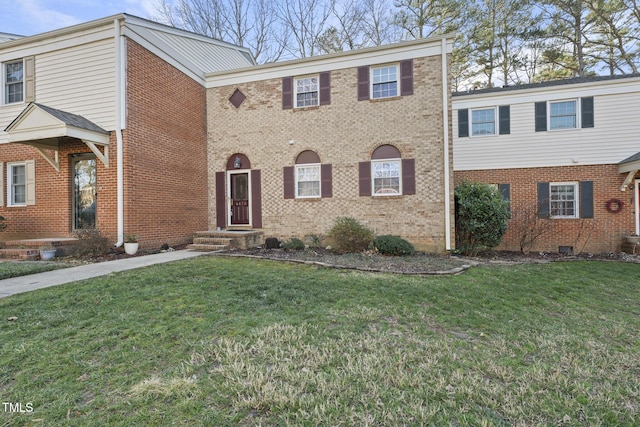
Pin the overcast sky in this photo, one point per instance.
(29, 17)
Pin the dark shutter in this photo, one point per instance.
(256, 199)
(543, 200)
(289, 182)
(504, 114)
(325, 88)
(587, 112)
(363, 83)
(287, 93)
(586, 199)
(364, 178)
(541, 116)
(326, 181)
(221, 201)
(406, 77)
(463, 123)
(408, 176)
(505, 191)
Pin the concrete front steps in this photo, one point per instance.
(29, 249)
(220, 240)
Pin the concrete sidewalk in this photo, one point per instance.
(32, 282)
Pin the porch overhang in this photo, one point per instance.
(630, 166)
(44, 128)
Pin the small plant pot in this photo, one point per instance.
(632, 239)
(131, 248)
(47, 254)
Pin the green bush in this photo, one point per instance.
(3, 225)
(481, 217)
(350, 236)
(91, 243)
(393, 245)
(294, 244)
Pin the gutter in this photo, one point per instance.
(445, 120)
(119, 40)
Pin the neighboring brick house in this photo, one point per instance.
(294, 145)
(103, 125)
(564, 153)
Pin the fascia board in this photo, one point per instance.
(318, 64)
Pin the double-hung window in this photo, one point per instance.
(483, 122)
(13, 75)
(384, 81)
(563, 199)
(307, 91)
(308, 180)
(563, 115)
(386, 177)
(17, 184)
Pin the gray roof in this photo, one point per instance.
(5, 37)
(550, 83)
(72, 119)
(634, 158)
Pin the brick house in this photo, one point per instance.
(103, 125)
(564, 153)
(296, 144)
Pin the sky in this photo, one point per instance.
(29, 17)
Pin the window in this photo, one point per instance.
(386, 174)
(306, 91)
(384, 82)
(308, 180)
(386, 177)
(562, 115)
(17, 184)
(483, 122)
(563, 200)
(13, 82)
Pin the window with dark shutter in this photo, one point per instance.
(541, 116)
(289, 182)
(408, 176)
(505, 191)
(256, 199)
(363, 83)
(587, 112)
(327, 180)
(463, 123)
(406, 77)
(287, 93)
(325, 88)
(543, 200)
(586, 199)
(221, 202)
(364, 178)
(504, 117)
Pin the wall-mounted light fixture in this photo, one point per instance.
(237, 163)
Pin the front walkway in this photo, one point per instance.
(17, 285)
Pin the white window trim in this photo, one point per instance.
(3, 89)
(576, 201)
(373, 179)
(578, 115)
(495, 122)
(377, 67)
(10, 197)
(295, 90)
(306, 165)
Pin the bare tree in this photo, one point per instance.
(424, 18)
(306, 20)
(377, 23)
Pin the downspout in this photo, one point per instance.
(445, 117)
(119, 119)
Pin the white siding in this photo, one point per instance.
(616, 134)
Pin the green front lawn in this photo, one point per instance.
(222, 342)
(9, 269)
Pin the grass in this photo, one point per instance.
(220, 341)
(9, 269)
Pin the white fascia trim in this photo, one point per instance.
(341, 60)
(549, 93)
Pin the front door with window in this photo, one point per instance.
(84, 192)
(239, 199)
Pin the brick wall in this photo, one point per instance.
(343, 134)
(602, 233)
(165, 157)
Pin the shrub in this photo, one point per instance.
(3, 225)
(350, 236)
(91, 243)
(393, 245)
(481, 217)
(294, 244)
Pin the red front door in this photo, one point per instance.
(240, 199)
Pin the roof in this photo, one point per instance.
(631, 159)
(5, 37)
(71, 119)
(549, 83)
